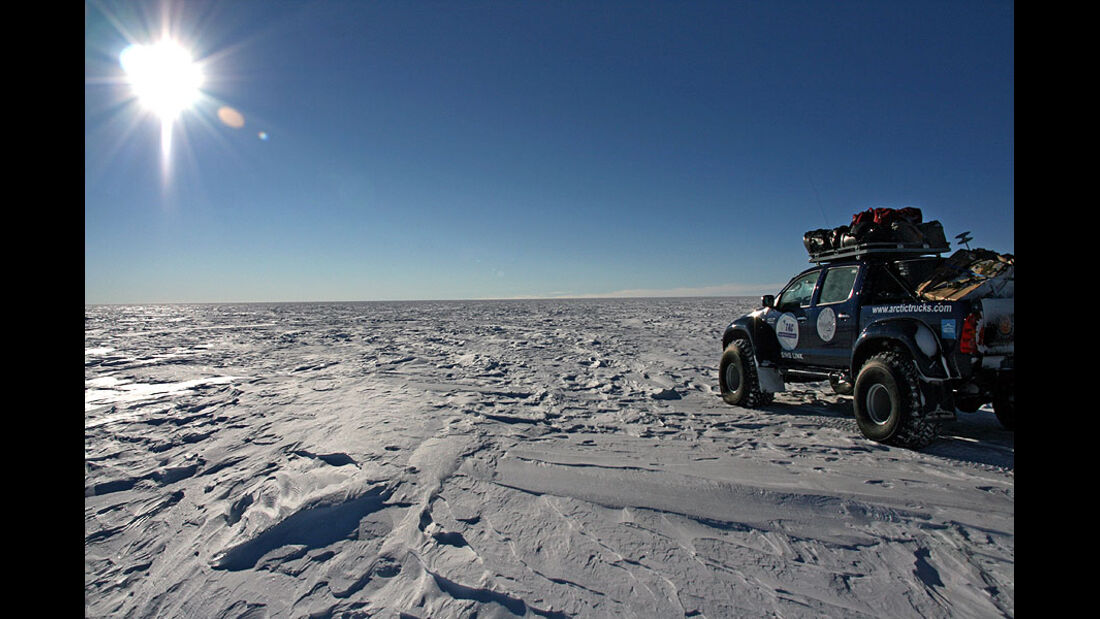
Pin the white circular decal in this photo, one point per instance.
(786, 329)
(826, 324)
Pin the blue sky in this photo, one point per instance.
(457, 150)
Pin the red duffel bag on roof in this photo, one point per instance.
(911, 214)
(884, 215)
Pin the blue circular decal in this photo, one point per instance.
(786, 329)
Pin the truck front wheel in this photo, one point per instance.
(886, 402)
(737, 378)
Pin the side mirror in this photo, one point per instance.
(767, 300)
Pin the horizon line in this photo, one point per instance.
(722, 291)
(701, 291)
(440, 300)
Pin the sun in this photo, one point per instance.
(164, 77)
(166, 81)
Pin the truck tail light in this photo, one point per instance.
(968, 338)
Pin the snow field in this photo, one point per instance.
(515, 458)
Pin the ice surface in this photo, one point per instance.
(512, 458)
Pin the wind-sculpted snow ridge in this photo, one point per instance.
(508, 459)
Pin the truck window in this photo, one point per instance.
(838, 284)
(884, 287)
(799, 293)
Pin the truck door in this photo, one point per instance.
(830, 325)
(788, 317)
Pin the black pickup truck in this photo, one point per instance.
(857, 320)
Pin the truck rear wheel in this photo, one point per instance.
(737, 378)
(886, 402)
(1004, 407)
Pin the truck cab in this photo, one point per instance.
(815, 317)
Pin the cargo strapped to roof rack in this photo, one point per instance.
(884, 249)
(883, 232)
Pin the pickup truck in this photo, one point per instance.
(856, 319)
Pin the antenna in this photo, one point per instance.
(965, 238)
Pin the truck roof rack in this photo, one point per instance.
(886, 249)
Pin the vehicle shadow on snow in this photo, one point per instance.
(975, 438)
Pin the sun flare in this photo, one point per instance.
(164, 77)
(166, 81)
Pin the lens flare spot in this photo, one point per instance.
(230, 117)
(262, 135)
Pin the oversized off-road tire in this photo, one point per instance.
(1004, 407)
(886, 401)
(737, 376)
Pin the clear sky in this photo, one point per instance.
(459, 150)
